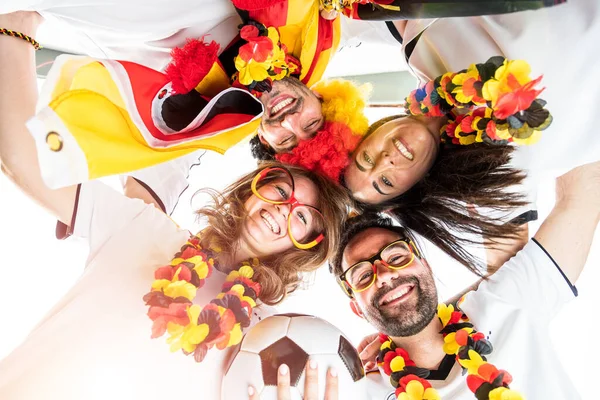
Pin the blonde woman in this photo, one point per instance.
(146, 277)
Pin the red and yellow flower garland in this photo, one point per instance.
(460, 339)
(500, 99)
(263, 59)
(191, 328)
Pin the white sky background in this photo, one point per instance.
(36, 270)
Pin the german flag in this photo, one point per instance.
(310, 38)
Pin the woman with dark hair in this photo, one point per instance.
(450, 150)
(402, 168)
(146, 277)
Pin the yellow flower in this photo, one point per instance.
(532, 139)
(386, 345)
(473, 363)
(460, 79)
(397, 364)
(467, 138)
(493, 88)
(503, 393)
(520, 69)
(175, 288)
(201, 269)
(246, 271)
(445, 313)
(252, 71)
(235, 335)
(450, 345)
(187, 337)
(416, 391)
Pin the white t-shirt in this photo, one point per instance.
(558, 42)
(95, 343)
(514, 309)
(142, 31)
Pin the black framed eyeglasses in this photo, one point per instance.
(361, 275)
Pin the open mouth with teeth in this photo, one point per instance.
(397, 295)
(403, 149)
(281, 104)
(270, 222)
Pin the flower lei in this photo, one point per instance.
(499, 95)
(263, 59)
(460, 339)
(191, 328)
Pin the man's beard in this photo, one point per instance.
(279, 119)
(404, 320)
(298, 91)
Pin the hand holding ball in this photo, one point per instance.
(293, 339)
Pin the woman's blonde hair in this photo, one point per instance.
(278, 274)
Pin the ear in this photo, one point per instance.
(317, 95)
(356, 309)
(260, 133)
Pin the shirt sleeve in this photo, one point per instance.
(531, 280)
(167, 181)
(99, 212)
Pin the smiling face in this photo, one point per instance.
(292, 113)
(400, 302)
(266, 227)
(393, 158)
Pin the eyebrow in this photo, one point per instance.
(376, 186)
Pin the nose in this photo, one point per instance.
(385, 275)
(283, 209)
(386, 159)
(291, 123)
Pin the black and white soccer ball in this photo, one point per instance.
(292, 339)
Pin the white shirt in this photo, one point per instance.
(557, 42)
(514, 309)
(95, 343)
(142, 31)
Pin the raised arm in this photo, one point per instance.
(18, 97)
(568, 232)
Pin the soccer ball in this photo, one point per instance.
(292, 339)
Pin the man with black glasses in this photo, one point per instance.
(498, 335)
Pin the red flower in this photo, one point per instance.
(191, 252)
(478, 336)
(487, 373)
(519, 99)
(176, 313)
(455, 317)
(462, 337)
(165, 272)
(248, 32)
(257, 49)
(466, 124)
(406, 379)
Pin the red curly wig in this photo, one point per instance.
(328, 153)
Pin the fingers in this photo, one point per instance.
(311, 382)
(331, 385)
(283, 383)
(252, 393)
(368, 355)
(366, 341)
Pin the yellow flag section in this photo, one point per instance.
(307, 36)
(102, 117)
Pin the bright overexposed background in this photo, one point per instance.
(36, 269)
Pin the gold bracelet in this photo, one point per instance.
(19, 35)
